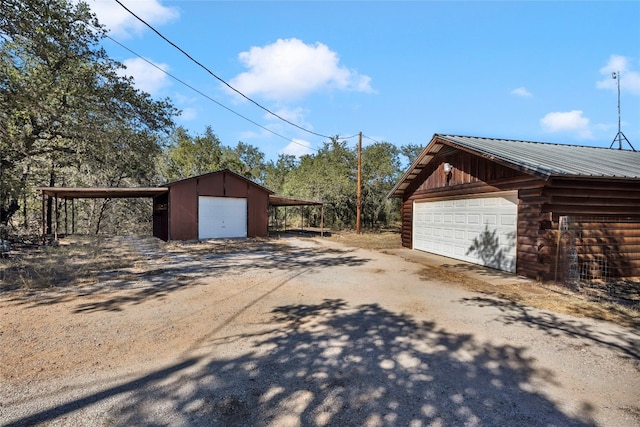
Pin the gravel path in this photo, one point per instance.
(304, 333)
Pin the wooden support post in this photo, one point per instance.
(44, 220)
(55, 217)
(359, 192)
(73, 216)
(66, 216)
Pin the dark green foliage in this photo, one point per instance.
(185, 156)
(67, 117)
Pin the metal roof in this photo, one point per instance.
(542, 159)
(275, 200)
(101, 193)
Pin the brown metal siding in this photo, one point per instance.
(212, 185)
(183, 203)
(235, 187)
(257, 215)
(183, 210)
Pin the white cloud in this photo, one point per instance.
(188, 114)
(570, 122)
(147, 77)
(123, 24)
(629, 78)
(290, 69)
(297, 147)
(295, 115)
(521, 91)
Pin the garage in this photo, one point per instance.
(222, 217)
(546, 211)
(480, 229)
(218, 204)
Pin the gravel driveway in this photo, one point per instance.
(301, 332)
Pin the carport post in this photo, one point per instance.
(44, 221)
(55, 217)
(66, 217)
(73, 216)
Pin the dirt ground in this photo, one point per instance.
(291, 332)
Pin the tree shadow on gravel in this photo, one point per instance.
(627, 344)
(158, 269)
(334, 365)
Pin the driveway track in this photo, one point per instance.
(302, 332)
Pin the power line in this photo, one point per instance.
(215, 76)
(207, 96)
(371, 139)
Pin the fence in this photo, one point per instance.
(599, 253)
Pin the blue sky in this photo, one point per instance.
(396, 71)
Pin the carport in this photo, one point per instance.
(67, 194)
(283, 201)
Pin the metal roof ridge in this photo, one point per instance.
(444, 136)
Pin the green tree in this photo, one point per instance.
(411, 153)
(328, 176)
(187, 156)
(246, 160)
(380, 172)
(68, 117)
(276, 173)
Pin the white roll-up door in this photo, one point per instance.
(479, 229)
(221, 217)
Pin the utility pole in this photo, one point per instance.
(359, 193)
(619, 136)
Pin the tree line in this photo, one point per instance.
(68, 117)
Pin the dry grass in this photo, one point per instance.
(369, 240)
(86, 260)
(82, 260)
(547, 296)
(75, 261)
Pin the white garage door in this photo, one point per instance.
(220, 217)
(481, 230)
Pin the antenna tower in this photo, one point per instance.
(619, 136)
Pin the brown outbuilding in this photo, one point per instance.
(219, 204)
(541, 210)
